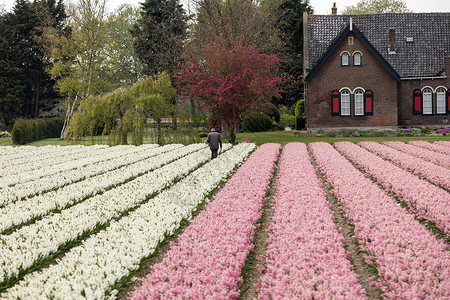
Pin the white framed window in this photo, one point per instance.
(357, 59)
(345, 103)
(440, 101)
(427, 101)
(345, 61)
(359, 103)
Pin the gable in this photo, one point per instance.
(351, 28)
(423, 57)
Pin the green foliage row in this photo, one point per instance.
(26, 131)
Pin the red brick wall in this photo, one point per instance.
(370, 75)
(407, 87)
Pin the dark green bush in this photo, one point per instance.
(271, 110)
(27, 131)
(256, 121)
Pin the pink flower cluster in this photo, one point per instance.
(305, 258)
(411, 262)
(442, 143)
(435, 174)
(207, 258)
(434, 147)
(426, 200)
(425, 154)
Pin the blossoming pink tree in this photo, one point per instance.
(228, 83)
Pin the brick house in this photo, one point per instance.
(377, 70)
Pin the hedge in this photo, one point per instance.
(29, 130)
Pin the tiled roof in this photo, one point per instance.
(424, 57)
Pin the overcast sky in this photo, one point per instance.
(320, 6)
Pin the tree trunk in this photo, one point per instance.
(158, 130)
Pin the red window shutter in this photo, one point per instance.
(417, 102)
(335, 107)
(448, 101)
(368, 103)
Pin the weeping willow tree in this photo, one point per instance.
(125, 110)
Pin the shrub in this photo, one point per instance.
(271, 111)
(256, 121)
(287, 120)
(300, 108)
(26, 131)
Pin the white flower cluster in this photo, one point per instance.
(24, 247)
(45, 158)
(23, 211)
(57, 166)
(18, 155)
(81, 170)
(91, 269)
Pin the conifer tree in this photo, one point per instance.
(159, 36)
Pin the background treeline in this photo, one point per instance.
(57, 58)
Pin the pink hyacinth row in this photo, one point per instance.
(411, 262)
(435, 174)
(305, 258)
(207, 258)
(433, 147)
(425, 154)
(442, 143)
(426, 200)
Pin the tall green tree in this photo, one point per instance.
(159, 36)
(376, 7)
(233, 22)
(25, 88)
(81, 68)
(289, 15)
(120, 50)
(21, 66)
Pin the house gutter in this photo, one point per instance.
(423, 78)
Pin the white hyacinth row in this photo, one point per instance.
(24, 248)
(91, 269)
(31, 188)
(67, 165)
(23, 211)
(45, 158)
(24, 154)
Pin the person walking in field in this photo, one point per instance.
(215, 142)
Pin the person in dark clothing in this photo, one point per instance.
(215, 142)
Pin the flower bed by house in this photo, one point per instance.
(425, 154)
(434, 173)
(305, 256)
(425, 200)
(411, 262)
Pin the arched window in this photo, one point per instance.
(345, 59)
(357, 59)
(427, 100)
(359, 103)
(440, 101)
(345, 103)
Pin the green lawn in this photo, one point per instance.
(281, 137)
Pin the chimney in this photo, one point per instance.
(392, 49)
(334, 9)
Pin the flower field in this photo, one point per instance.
(342, 221)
